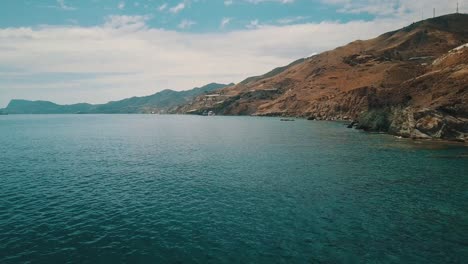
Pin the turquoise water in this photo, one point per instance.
(189, 189)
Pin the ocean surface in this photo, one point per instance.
(192, 189)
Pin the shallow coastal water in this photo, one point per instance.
(190, 189)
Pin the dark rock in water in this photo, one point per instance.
(286, 119)
(352, 124)
(311, 118)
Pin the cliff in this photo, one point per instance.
(414, 80)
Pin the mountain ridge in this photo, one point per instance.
(160, 102)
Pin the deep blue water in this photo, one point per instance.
(189, 189)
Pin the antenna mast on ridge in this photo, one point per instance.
(433, 13)
(457, 7)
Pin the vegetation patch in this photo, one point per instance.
(375, 120)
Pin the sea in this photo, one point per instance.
(219, 189)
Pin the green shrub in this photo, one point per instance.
(375, 120)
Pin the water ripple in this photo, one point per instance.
(182, 189)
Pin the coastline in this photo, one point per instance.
(346, 124)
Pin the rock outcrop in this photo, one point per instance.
(428, 123)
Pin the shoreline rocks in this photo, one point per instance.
(429, 124)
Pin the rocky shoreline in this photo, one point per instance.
(416, 124)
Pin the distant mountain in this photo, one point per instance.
(160, 102)
(43, 107)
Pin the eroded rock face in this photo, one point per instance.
(428, 123)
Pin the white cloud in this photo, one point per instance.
(396, 7)
(126, 22)
(176, 9)
(72, 21)
(290, 20)
(64, 6)
(121, 5)
(162, 7)
(253, 24)
(263, 1)
(228, 2)
(225, 21)
(186, 24)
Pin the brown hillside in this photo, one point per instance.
(410, 67)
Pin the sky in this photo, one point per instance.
(95, 51)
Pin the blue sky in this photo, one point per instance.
(205, 15)
(71, 51)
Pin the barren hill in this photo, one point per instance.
(410, 82)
